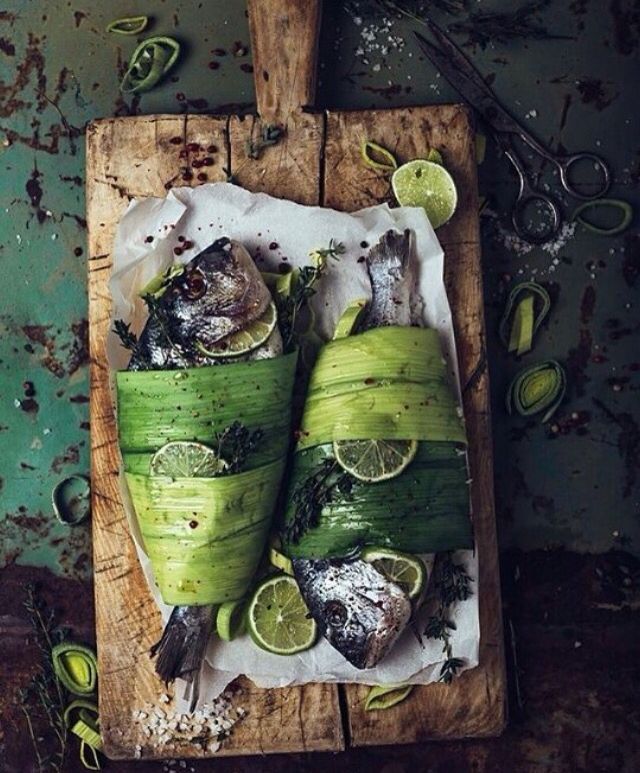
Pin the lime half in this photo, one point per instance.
(407, 571)
(428, 185)
(278, 618)
(230, 621)
(374, 460)
(187, 459)
(244, 341)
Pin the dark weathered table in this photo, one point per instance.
(567, 493)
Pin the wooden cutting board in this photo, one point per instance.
(316, 162)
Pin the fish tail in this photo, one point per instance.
(180, 651)
(393, 248)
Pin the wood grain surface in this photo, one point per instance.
(315, 161)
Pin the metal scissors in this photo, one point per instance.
(465, 78)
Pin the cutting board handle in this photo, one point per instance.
(284, 40)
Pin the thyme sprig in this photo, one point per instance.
(452, 584)
(324, 485)
(234, 444)
(303, 287)
(43, 699)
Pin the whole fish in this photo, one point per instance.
(220, 292)
(357, 609)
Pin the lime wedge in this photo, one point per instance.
(230, 620)
(374, 460)
(428, 185)
(278, 618)
(186, 459)
(407, 571)
(244, 341)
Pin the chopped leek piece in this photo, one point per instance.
(71, 501)
(76, 667)
(88, 734)
(230, 620)
(521, 319)
(128, 25)
(385, 696)
(371, 154)
(626, 215)
(85, 710)
(151, 60)
(537, 388)
(349, 319)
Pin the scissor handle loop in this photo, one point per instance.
(565, 163)
(525, 197)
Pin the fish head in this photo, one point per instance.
(358, 610)
(219, 291)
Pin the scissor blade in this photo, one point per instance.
(466, 80)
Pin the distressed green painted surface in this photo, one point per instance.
(577, 487)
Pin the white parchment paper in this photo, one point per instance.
(276, 231)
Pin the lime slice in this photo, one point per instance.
(374, 460)
(407, 571)
(428, 185)
(278, 618)
(246, 340)
(230, 620)
(186, 459)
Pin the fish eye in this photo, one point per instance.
(335, 613)
(194, 285)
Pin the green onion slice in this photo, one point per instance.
(626, 215)
(151, 60)
(71, 501)
(76, 667)
(128, 25)
(527, 306)
(385, 696)
(377, 157)
(537, 388)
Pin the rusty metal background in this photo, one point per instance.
(564, 490)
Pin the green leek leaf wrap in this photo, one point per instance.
(205, 536)
(387, 383)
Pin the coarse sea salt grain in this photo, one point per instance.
(206, 727)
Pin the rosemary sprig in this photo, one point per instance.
(484, 27)
(452, 584)
(234, 444)
(324, 485)
(128, 338)
(481, 27)
(43, 698)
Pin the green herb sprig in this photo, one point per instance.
(324, 485)
(234, 444)
(452, 584)
(44, 699)
(128, 339)
(303, 287)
